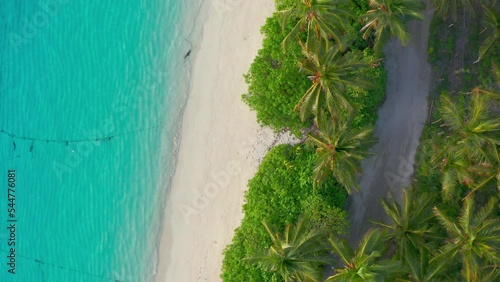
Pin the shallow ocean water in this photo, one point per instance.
(91, 95)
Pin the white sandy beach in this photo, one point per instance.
(220, 148)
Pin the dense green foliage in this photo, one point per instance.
(367, 102)
(276, 85)
(366, 263)
(321, 215)
(388, 18)
(492, 21)
(332, 72)
(434, 245)
(434, 234)
(454, 9)
(477, 77)
(322, 20)
(471, 135)
(458, 160)
(340, 151)
(280, 192)
(474, 238)
(298, 254)
(410, 222)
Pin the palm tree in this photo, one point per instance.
(470, 135)
(297, 255)
(475, 237)
(491, 92)
(492, 276)
(331, 73)
(424, 267)
(389, 17)
(411, 221)
(340, 151)
(491, 42)
(323, 19)
(367, 262)
(489, 170)
(450, 8)
(455, 166)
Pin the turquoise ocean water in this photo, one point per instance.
(91, 94)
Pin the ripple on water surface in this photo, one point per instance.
(88, 102)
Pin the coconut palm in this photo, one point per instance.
(491, 276)
(340, 151)
(388, 18)
(489, 170)
(492, 21)
(367, 262)
(331, 73)
(470, 135)
(492, 91)
(297, 255)
(474, 238)
(424, 267)
(455, 166)
(410, 222)
(323, 19)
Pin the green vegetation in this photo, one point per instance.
(367, 262)
(293, 204)
(322, 19)
(492, 20)
(279, 193)
(274, 82)
(474, 238)
(410, 222)
(340, 151)
(414, 232)
(297, 255)
(458, 158)
(389, 17)
(332, 72)
(471, 135)
(459, 146)
(276, 85)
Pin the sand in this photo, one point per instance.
(398, 129)
(221, 144)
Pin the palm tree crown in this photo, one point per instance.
(331, 72)
(340, 151)
(471, 134)
(323, 19)
(389, 17)
(410, 221)
(297, 255)
(424, 266)
(367, 262)
(475, 237)
(493, 24)
(488, 170)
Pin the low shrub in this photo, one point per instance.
(280, 192)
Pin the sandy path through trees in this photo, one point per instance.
(398, 129)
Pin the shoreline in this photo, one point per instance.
(220, 145)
